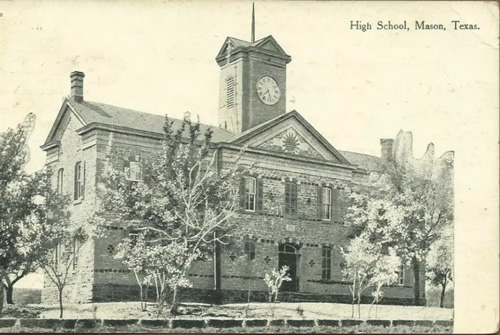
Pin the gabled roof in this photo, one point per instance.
(95, 113)
(249, 133)
(364, 161)
(267, 45)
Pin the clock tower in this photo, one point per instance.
(252, 82)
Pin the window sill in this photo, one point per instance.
(244, 211)
(328, 282)
(77, 201)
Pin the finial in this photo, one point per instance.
(253, 22)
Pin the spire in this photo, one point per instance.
(253, 23)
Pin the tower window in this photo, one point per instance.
(231, 92)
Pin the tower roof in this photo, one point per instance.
(266, 45)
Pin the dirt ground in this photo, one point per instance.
(125, 310)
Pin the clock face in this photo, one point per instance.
(268, 90)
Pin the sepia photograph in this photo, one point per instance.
(249, 167)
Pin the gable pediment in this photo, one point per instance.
(269, 44)
(66, 113)
(292, 135)
(291, 141)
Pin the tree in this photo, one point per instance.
(25, 199)
(440, 265)
(182, 205)
(407, 205)
(13, 158)
(366, 265)
(1, 291)
(59, 256)
(274, 282)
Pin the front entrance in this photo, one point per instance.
(289, 255)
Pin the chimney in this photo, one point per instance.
(386, 147)
(77, 85)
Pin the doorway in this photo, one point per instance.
(289, 255)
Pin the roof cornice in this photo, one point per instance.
(50, 145)
(118, 129)
(129, 131)
(270, 153)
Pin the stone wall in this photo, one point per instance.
(73, 149)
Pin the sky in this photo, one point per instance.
(354, 87)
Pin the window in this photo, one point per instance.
(250, 250)
(57, 258)
(60, 181)
(250, 193)
(231, 92)
(287, 249)
(290, 198)
(76, 249)
(326, 265)
(401, 275)
(326, 203)
(132, 237)
(135, 171)
(79, 181)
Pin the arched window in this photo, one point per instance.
(60, 181)
(79, 180)
(288, 249)
(401, 275)
(250, 250)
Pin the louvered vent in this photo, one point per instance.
(230, 88)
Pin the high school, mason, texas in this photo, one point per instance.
(290, 212)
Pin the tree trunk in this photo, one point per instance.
(173, 310)
(1, 300)
(416, 281)
(441, 301)
(9, 290)
(60, 303)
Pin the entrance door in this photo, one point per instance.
(288, 255)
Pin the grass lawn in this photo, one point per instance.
(124, 310)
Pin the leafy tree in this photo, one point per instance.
(33, 217)
(182, 205)
(440, 265)
(13, 158)
(407, 206)
(1, 291)
(366, 265)
(26, 200)
(59, 256)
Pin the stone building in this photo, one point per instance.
(290, 211)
